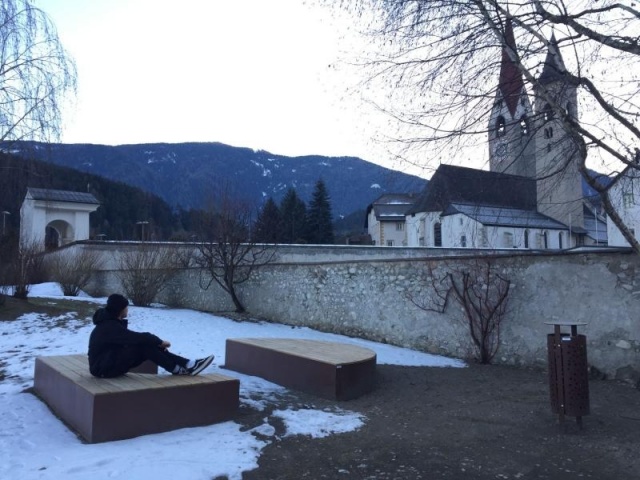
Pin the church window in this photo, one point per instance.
(545, 240)
(547, 113)
(570, 109)
(524, 126)
(484, 238)
(437, 235)
(548, 132)
(389, 243)
(500, 126)
(560, 240)
(627, 199)
(399, 226)
(507, 240)
(526, 239)
(463, 241)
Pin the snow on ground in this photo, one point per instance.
(34, 444)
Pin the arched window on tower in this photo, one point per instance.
(437, 234)
(524, 126)
(501, 128)
(547, 113)
(570, 110)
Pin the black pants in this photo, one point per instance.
(118, 362)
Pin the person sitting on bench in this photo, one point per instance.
(114, 349)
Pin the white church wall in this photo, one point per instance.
(461, 231)
(625, 196)
(429, 221)
(415, 230)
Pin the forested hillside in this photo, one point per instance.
(121, 205)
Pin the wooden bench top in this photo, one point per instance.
(320, 351)
(75, 368)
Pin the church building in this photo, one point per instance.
(532, 197)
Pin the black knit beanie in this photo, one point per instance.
(116, 303)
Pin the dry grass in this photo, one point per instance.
(14, 307)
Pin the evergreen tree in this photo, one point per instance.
(268, 227)
(319, 221)
(294, 212)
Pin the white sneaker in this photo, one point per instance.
(200, 365)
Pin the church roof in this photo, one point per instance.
(395, 199)
(451, 184)
(505, 217)
(511, 83)
(49, 195)
(391, 212)
(554, 68)
(391, 206)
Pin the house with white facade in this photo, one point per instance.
(385, 221)
(532, 197)
(52, 218)
(625, 196)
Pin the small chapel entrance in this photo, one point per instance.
(53, 218)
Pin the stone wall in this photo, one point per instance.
(361, 296)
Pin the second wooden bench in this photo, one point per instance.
(332, 370)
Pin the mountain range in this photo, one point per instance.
(187, 174)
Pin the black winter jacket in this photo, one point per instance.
(108, 337)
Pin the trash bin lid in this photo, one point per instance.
(564, 323)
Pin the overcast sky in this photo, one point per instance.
(252, 73)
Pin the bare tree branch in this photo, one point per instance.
(227, 255)
(479, 291)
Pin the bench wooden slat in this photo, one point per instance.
(320, 351)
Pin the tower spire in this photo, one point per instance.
(553, 68)
(511, 81)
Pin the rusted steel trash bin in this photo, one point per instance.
(568, 372)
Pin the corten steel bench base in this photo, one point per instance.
(331, 370)
(104, 409)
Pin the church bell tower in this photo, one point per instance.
(511, 138)
(559, 184)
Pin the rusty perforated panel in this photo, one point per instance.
(568, 375)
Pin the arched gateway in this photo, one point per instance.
(52, 218)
